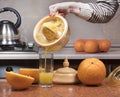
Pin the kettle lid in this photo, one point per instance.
(6, 22)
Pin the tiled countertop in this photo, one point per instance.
(114, 53)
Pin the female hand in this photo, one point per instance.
(65, 8)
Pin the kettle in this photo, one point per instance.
(9, 35)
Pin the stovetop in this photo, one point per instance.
(28, 48)
(17, 51)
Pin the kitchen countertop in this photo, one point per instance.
(77, 90)
(114, 53)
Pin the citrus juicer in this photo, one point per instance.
(52, 32)
(113, 78)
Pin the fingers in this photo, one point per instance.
(62, 14)
(53, 9)
(60, 8)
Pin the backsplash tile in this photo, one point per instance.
(32, 11)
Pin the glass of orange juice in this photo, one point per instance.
(46, 64)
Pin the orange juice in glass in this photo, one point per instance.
(46, 76)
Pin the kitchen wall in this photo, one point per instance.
(32, 11)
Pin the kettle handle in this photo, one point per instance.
(18, 22)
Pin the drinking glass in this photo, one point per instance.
(46, 68)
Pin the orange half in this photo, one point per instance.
(19, 81)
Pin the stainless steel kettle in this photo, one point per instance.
(8, 30)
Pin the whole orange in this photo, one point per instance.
(91, 46)
(79, 45)
(91, 71)
(104, 45)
